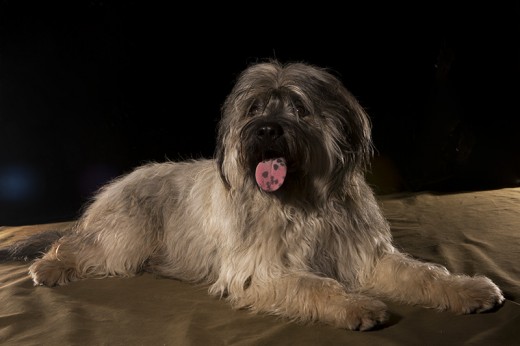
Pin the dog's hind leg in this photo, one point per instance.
(401, 278)
(71, 260)
(115, 236)
(117, 251)
(58, 266)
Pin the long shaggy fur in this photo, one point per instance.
(316, 250)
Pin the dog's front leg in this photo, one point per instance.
(399, 277)
(305, 297)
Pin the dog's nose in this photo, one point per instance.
(269, 132)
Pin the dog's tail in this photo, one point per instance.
(31, 247)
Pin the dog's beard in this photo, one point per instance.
(302, 148)
(313, 155)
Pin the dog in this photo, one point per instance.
(281, 221)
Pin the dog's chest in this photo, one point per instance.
(294, 239)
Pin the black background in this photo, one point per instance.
(90, 89)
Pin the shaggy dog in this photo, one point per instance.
(282, 221)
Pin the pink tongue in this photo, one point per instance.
(270, 174)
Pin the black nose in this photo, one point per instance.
(269, 132)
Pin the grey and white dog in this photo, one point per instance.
(281, 222)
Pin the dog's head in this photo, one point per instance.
(292, 127)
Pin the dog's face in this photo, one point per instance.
(296, 116)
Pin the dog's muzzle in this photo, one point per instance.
(271, 165)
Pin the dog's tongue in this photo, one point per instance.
(270, 174)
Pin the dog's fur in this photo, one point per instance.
(317, 249)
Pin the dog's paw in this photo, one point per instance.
(49, 273)
(363, 313)
(474, 295)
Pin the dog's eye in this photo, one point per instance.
(254, 109)
(300, 110)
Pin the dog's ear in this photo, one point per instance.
(219, 158)
(358, 129)
(350, 119)
(220, 155)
